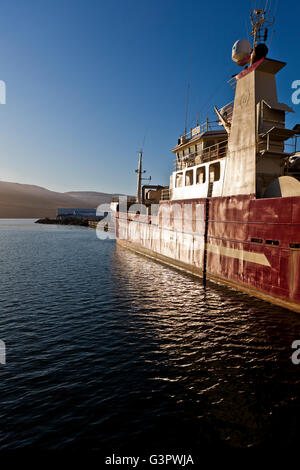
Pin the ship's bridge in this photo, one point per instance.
(200, 147)
(199, 160)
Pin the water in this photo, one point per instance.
(109, 351)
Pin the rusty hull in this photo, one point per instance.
(252, 245)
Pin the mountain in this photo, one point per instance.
(29, 201)
(92, 197)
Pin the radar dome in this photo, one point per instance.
(241, 52)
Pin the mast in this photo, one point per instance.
(139, 172)
(261, 21)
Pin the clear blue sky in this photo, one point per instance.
(86, 79)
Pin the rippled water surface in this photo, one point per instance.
(108, 350)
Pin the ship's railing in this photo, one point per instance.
(292, 167)
(201, 128)
(268, 145)
(292, 145)
(213, 152)
(206, 126)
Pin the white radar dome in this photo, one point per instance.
(241, 52)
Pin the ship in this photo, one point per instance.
(231, 213)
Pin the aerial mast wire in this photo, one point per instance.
(188, 96)
(260, 21)
(139, 172)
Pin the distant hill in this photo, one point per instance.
(92, 197)
(29, 201)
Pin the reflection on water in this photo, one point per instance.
(228, 354)
(108, 350)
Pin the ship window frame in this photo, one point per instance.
(179, 173)
(203, 167)
(217, 165)
(185, 177)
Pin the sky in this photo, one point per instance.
(88, 80)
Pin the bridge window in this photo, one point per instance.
(189, 178)
(200, 175)
(214, 172)
(295, 245)
(179, 180)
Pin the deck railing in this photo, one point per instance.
(208, 125)
(203, 127)
(292, 145)
(213, 152)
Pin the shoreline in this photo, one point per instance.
(77, 221)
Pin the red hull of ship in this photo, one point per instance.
(250, 244)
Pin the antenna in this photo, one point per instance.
(261, 21)
(247, 29)
(140, 172)
(187, 96)
(143, 143)
(266, 5)
(197, 109)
